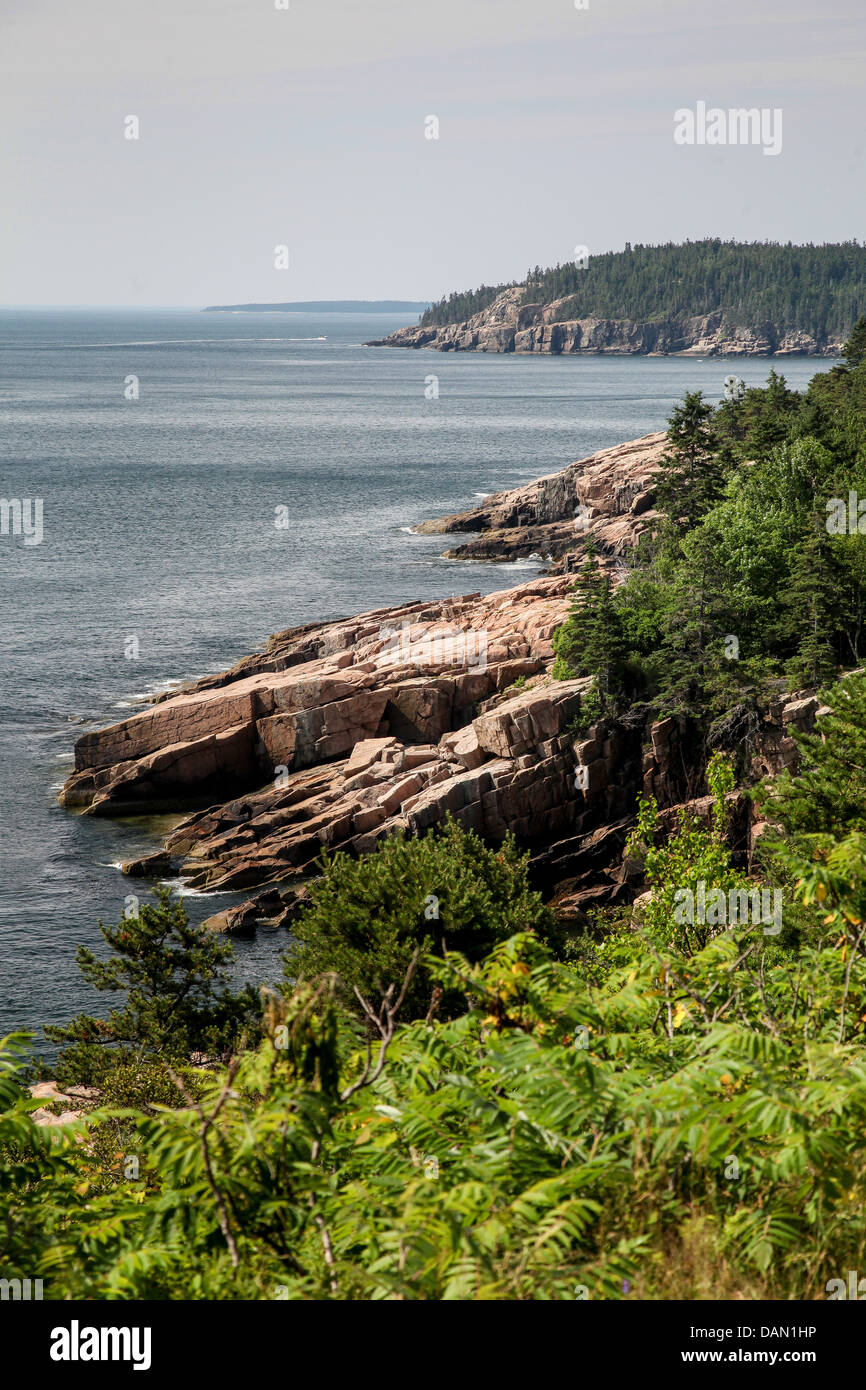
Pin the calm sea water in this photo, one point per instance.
(159, 525)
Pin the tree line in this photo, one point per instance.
(820, 290)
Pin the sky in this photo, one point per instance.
(306, 127)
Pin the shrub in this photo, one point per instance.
(445, 891)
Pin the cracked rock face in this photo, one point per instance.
(404, 694)
(337, 734)
(340, 733)
(509, 325)
(334, 737)
(608, 497)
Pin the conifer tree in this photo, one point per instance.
(810, 606)
(690, 478)
(697, 620)
(446, 890)
(174, 977)
(828, 792)
(854, 351)
(777, 407)
(591, 642)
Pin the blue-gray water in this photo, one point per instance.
(159, 524)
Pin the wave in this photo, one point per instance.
(184, 890)
(141, 697)
(526, 563)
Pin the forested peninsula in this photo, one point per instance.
(706, 298)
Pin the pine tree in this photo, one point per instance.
(690, 478)
(174, 977)
(828, 793)
(854, 351)
(697, 620)
(810, 607)
(777, 408)
(591, 641)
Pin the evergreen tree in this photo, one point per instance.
(591, 641)
(828, 792)
(447, 890)
(690, 478)
(697, 620)
(810, 605)
(174, 977)
(854, 351)
(777, 407)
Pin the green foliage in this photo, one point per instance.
(780, 288)
(444, 891)
(690, 478)
(854, 353)
(591, 642)
(829, 791)
(172, 975)
(818, 818)
(550, 1143)
(692, 855)
(743, 584)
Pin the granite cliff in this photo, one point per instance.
(342, 732)
(509, 325)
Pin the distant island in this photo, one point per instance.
(703, 298)
(326, 306)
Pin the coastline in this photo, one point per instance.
(340, 733)
(510, 326)
(232, 581)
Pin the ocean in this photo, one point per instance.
(165, 445)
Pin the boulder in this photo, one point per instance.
(149, 866)
(219, 763)
(522, 722)
(367, 752)
(467, 750)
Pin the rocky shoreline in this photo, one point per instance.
(508, 325)
(340, 733)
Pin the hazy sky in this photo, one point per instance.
(305, 127)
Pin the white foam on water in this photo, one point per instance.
(141, 697)
(183, 890)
